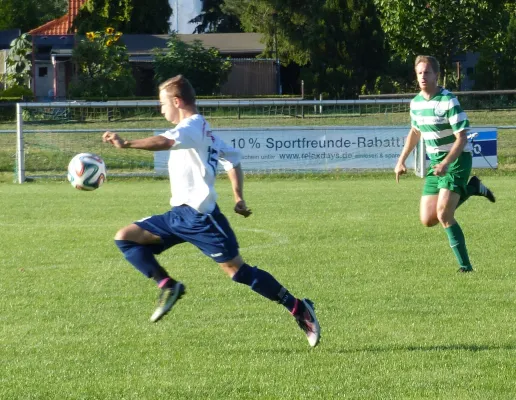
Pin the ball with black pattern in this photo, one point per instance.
(87, 171)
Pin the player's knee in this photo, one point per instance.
(444, 216)
(429, 222)
(122, 234)
(130, 232)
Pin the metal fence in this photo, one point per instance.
(469, 100)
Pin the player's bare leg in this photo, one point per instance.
(428, 210)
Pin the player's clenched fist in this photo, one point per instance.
(241, 208)
(113, 138)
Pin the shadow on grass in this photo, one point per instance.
(443, 347)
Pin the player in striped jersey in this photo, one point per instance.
(437, 116)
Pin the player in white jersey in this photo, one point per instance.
(195, 217)
(437, 116)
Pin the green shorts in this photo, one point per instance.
(455, 180)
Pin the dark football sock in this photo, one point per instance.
(143, 259)
(265, 284)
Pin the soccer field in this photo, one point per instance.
(397, 320)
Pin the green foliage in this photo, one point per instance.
(18, 62)
(214, 19)
(291, 26)
(94, 15)
(29, 14)
(340, 43)
(127, 16)
(442, 28)
(496, 68)
(103, 67)
(12, 95)
(19, 92)
(204, 68)
(149, 16)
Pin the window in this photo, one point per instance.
(42, 71)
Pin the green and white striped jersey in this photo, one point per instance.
(438, 119)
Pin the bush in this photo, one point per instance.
(204, 68)
(103, 67)
(18, 92)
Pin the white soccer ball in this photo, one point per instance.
(86, 171)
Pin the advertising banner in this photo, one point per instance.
(485, 149)
(329, 148)
(312, 148)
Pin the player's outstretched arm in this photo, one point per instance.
(236, 177)
(151, 143)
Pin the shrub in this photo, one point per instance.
(103, 67)
(204, 68)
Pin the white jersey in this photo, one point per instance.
(192, 164)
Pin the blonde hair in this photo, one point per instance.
(429, 60)
(179, 86)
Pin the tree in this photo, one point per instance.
(149, 16)
(51, 9)
(18, 62)
(126, 16)
(213, 19)
(496, 68)
(103, 67)
(29, 14)
(288, 26)
(442, 28)
(204, 68)
(340, 42)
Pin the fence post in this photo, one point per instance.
(302, 98)
(20, 154)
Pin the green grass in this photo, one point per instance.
(397, 321)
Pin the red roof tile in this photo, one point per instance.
(60, 26)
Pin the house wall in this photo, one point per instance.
(44, 80)
(247, 77)
(3, 67)
(467, 70)
(251, 78)
(60, 76)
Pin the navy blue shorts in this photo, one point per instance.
(211, 233)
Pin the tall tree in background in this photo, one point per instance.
(442, 28)
(96, 15)
(149, 16)
(213, 19)
(350, 51)
(29, 14)
(127, 16)
(496, 68)
(340, 42)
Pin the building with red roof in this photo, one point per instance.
(53, 69)
(52, 72)
(63, 25)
